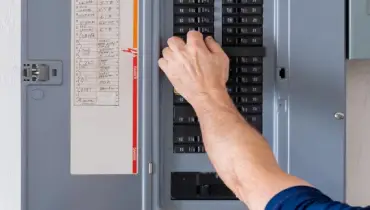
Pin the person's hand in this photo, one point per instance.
(196, 68)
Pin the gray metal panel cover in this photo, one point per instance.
(316, 63)
(46, 180)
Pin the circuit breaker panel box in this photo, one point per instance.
(102, 127)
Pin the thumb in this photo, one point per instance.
(212, 45)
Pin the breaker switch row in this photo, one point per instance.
(194, 20)
(244, 89)
(252, 109)
(194, 2)
(184, 115)
(249, 99)
(250, 2)
(246, 70)
(228, 30)
(188, 148)
(246, 60)
(188, 140)
(185, 29)
(242, 10)
(246, 20)
(193, 10)
(246, 80)
(185, 119)
(242, 41)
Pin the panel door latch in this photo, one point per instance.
(45, 73)
(38, 72)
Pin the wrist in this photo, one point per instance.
(216, 98)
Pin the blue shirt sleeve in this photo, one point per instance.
(305, 198)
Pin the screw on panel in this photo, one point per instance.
(339, 115)
(37, 94)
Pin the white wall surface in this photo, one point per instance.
(358, 133)
(10, 156)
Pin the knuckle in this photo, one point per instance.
(181, 49)
(171, 40)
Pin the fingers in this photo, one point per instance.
(167, 53)
(195, 39)
(176, 43)
(212, 45)
(163, 64)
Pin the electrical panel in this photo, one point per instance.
(103, 128)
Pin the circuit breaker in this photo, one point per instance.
(103, 128)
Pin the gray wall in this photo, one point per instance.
(358, 132)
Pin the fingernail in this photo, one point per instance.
(209, 37)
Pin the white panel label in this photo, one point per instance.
(104, 87)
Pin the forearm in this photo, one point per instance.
(238, 152)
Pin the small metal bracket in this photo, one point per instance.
(42, 73)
